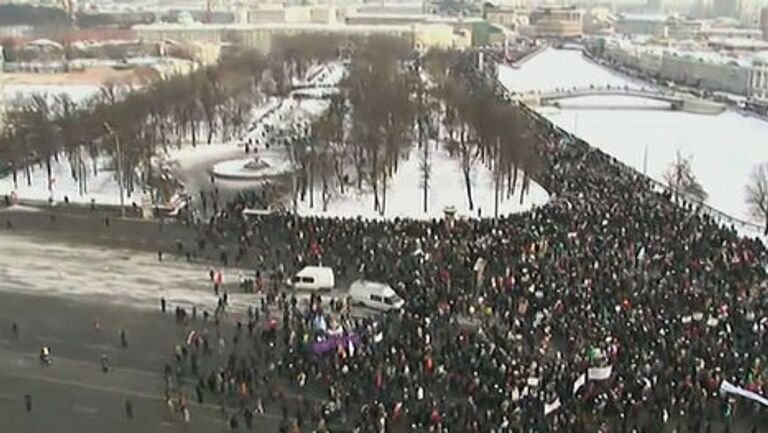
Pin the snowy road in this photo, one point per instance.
(119, 277)
(114, 276)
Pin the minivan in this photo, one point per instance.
(378, 296)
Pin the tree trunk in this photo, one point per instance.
(468, 184)
(48, 171)
(311, 182)
(383, 195)
(375, 181)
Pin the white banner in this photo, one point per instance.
(581, 381)
(533, 381)
(727, 387)
(599, 373)
(551, 407)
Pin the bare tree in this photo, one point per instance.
(757, 194)
(680, 178)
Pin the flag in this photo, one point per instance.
(581, 381)
(551, 407)
(599, 373)
(729, 388)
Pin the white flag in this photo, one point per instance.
(599, 373)
(581, 381)
(730, 388)
(551, 407)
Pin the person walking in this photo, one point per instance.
(15, 330)
(28, 402)
(123, 339)
(129, 409)
(162, 304)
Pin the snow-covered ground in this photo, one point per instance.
(101, 188)
(136, 279)
(405, 193)
(77, 92)
(725, 147)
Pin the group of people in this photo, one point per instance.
(613, 308)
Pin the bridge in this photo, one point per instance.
(677, 101)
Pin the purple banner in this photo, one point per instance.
(331, 343)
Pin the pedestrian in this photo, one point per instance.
(123, 339)
(162, 304)
(233, 424)
(28, 402)
(106, 222)
(129, 409)
(199, 393)
(15, 330)
(159, 256)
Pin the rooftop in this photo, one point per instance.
(196, 26)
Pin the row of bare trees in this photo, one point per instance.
(210, 103)
(393, 101)
(481, 129)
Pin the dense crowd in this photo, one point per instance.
(504, 316)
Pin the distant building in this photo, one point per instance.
(508, 17)
(662, 26)
(759, 79)
(261, 36)
(726, 8)
(764, 21)
(640, 24)
(654, 6)
(558, 22)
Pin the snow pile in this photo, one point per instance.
(405, 193)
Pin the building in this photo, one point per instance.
(640, 24)
(557, 22)
(764, 22)
(507, 17)
(726, 8)
(422, 36)
(644, 58)
(654, 6)
(759, 78)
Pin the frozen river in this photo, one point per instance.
(725, 147)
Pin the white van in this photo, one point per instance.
(313, 278)
(374, 295)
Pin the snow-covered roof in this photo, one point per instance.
(274, 26)
(654, 18)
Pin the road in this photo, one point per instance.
(73, 394)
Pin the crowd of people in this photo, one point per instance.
(613, 308)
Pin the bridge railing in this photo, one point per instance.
(686, 200)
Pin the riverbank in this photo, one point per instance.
(644, 138)
(634, 74)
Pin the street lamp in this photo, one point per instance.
(111, 132)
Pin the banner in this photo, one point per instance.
(599, 373)
(533, 381)
(727, 387)
(332, 343)
(581, 381)
(551, 407)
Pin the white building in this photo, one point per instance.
(759, 78)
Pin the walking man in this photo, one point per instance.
(129, 409)
(28, 402)
(162, 304)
